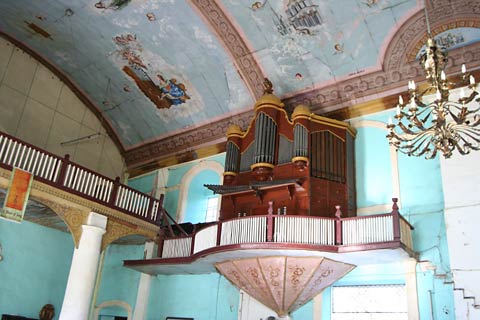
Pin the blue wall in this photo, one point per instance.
(175, 175)
(35, 268)
(144, 183)
(203, 297)
(198, 196)
(118, 282)
(422, 204)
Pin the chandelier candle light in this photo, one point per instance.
(424, 128)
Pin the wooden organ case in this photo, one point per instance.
(303, 164)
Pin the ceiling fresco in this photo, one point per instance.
(302, 43)
(169, 75)
(149, 71)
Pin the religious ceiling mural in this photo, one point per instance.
(156, 69)
(151, 67)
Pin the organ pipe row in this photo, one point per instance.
(265, 139)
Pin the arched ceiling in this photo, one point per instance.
(156, 70)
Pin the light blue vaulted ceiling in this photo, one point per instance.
(156, 68)
(345, 38)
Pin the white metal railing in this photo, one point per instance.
(406, 234)
(244, 230)
(308, 230)
(88, 183)
(367, 230)
(179, 247)
(205, 238)
(39, 163)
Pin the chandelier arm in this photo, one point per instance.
(418, 123)
(471, 133)
(405, 129)
(463, 150)
(460, 119)
(476, 119)
(471, 97)
(419, 102)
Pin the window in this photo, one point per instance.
(212, 209)
(382, 302)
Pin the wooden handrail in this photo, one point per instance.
(337, 227)
(82, 181)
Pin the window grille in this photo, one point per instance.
(379, 302)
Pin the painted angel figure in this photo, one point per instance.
(172, 91)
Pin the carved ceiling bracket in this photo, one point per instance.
(74, 218)
(117, 229)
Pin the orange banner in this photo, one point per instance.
(17, 195)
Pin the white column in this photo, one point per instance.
(81, 279)
(317, 306)
(411, 288)
(143, 292)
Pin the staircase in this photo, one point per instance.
(466, 305)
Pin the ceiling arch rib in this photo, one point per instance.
(244, 59)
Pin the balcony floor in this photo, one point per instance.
(204, 262)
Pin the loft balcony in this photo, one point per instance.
(353, 240)
(62, 183)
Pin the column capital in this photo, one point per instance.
(97, 220)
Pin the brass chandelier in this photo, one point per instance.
(423, 128)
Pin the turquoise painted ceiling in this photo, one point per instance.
(154, 68)
(345, 38)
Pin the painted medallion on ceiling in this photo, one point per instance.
(313, 42)
(163, 92)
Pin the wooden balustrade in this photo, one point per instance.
(406, 233)
(177, 247)
(206, 238)
(368, 229)
(244, 230)
(308, 230)
(64, 174)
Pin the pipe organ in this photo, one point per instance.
(303, 163)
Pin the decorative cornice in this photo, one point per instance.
(188, 140)
(233, 43)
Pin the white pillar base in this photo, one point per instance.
(81, 279)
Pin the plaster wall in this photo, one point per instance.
(417, 183)
(118, 283)
(202, 297)
(461, 176)
(39, 108)
(34, 270)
